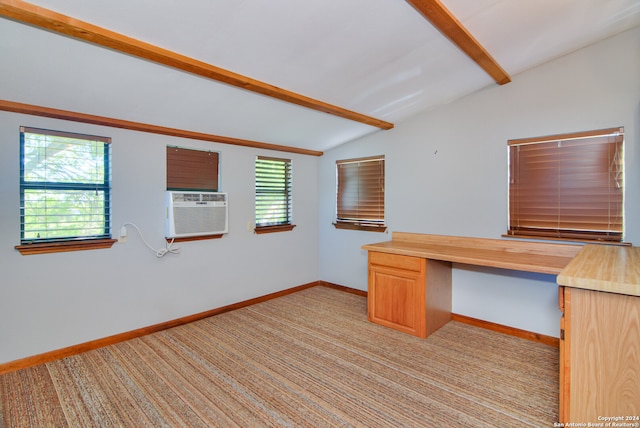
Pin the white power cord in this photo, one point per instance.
(159, 253)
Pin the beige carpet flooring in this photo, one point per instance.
(308, 359)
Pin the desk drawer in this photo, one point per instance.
(396, 261)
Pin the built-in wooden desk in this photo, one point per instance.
(410, 276)
(600, 335)
(599, 294)
(610, 268)
(500, 253)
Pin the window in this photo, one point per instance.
(273, 195)
(360, 194)
(567, 186)
(65, 185)
(192, 169)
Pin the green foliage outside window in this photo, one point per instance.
(64, 186)
(273, 191)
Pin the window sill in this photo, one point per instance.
(357, 226)
(271, 229)
(193, 238)
(567, 240)
(64, 246)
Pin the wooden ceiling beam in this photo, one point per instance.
(28, 13)
(450, 27)
(73, 116)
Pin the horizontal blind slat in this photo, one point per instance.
(273, 191)
(567, 187)
(189, 169)
(360, 190)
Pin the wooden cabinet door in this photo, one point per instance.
(396, 296)
(600, 356)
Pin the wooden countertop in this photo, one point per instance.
(500, 253)
(610, 268)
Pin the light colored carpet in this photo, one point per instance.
(308, 359)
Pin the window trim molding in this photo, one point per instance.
(259, 230)
(345, 225)
(65, 246)
(576, 241)
(568, 136)
(194, 238)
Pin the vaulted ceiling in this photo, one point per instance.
(356, 66)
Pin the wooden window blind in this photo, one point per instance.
(189, 169)
(65, 186)
(360, 191)
(568, 186)
(273, 193)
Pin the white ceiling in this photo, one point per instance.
(380, 58)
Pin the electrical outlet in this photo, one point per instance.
(123, 235)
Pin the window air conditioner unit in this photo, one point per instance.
(195, 214)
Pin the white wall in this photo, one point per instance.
(446, 173)
(455, 155)
(52, 301)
